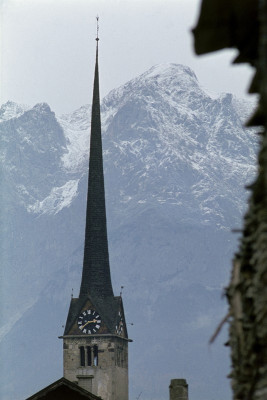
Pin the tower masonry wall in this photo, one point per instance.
(109, 378)
(178, 389)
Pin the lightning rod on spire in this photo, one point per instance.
(97, 28)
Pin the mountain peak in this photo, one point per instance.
(42, 108)
(165, 70)
(167, 76)
(10, 109)
(162, 82)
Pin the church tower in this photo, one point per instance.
(95, 340)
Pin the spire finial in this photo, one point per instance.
(97, 28)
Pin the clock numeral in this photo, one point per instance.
(89, 312)
(84, 331)
(84, 313)
(89, 332)
(97, 326)
(99, 321)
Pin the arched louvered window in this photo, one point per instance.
(89, 356)
(82, 356)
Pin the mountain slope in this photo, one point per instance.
(176, 162)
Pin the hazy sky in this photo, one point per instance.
(48, 48)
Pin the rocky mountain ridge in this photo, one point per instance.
(176, 161)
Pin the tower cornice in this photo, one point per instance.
(91, 337)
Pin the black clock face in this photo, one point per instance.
(89, 322)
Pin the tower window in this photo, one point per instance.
(89, 356)
(95, 355)
(82, 356)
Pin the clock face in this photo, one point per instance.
(119, 326)
(89, 322)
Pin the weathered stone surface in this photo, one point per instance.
(178, 389)
(109, 379)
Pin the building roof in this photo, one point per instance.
(63, 389)
(107, 307)
(96, 279)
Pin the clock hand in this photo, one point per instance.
(89, 322)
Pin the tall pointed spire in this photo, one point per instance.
(96, 279)
(96, 321)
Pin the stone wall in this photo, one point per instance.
(108, 379)
(178, 389)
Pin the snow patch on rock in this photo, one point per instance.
(59, 198)
(77, 131)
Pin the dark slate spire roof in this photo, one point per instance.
(96, 288)
(96, 279)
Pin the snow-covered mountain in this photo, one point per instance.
(176, 162)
